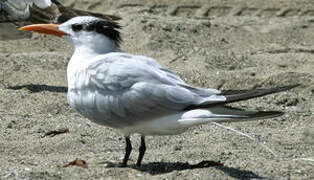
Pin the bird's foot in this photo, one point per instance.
(122, 165)
(138, 164)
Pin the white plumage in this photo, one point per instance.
(136, 94)
(121, 90)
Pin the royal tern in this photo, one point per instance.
(42, 11)
(136, 94)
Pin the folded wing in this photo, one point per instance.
(140, 84)
(128, 85)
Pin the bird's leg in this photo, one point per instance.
(142, 150)
(128, 149)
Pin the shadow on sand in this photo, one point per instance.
(35, 88)
(157, 168)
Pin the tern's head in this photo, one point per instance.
(85, 32)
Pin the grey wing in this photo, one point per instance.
(127, 89)
(240, 95)
(133, 85)
(18, 10)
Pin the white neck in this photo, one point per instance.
(85, 51)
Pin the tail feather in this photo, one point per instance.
(230, 114)
(67, 13)
(224, 114)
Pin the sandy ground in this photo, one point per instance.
(238, 44)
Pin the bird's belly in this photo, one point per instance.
(159, 126)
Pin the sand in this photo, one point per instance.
(239, 44)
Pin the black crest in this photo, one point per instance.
(106, 27)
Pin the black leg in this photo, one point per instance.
(128, 149)
(141, 151)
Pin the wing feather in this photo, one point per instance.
(18, 10)
(139, 84)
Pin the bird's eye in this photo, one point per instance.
(77, 27)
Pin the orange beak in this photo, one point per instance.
(50, 29)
